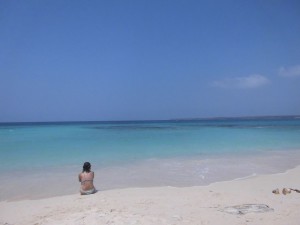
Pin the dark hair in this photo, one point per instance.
(86, 167)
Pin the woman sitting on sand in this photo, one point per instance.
(86, 178)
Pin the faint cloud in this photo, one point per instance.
(292, 71)
(252, 81)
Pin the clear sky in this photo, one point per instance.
(133, 60)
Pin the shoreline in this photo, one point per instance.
(176, 172)
(253, 176)
(166, 205)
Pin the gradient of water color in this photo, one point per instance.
(149, 153)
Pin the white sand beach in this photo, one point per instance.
(166, 205)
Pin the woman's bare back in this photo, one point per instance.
(86, 179)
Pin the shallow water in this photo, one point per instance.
(47, 157)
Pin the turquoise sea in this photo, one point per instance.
(173, 152)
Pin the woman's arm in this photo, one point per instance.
(79, 177)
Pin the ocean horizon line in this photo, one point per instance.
(264, 117)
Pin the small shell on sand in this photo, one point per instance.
(286, 191)
(276, 191)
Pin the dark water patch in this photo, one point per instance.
(135, 127)
(193, 127)
(253, 126)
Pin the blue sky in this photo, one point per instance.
(136, 60)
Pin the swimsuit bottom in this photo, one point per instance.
(88, 192)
